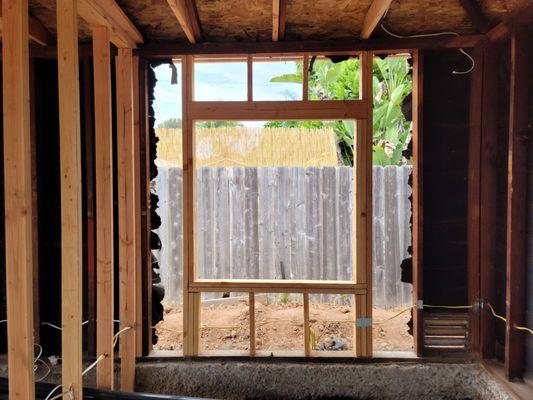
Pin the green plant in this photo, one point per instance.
(340, 81)
(171, 123)
(284, 298)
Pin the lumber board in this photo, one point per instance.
(127, 217)
(307, 326)
(279, 12)
(476, 15)
(37, 32)
(251, 316)
(187, 15)
(519, 19)
(71, 195)
(375, 13)
(18, 199)
(104, 204)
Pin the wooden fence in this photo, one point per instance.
(285, 223)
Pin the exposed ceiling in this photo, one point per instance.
(251, 20)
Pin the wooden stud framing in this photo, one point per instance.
(37, 32)
(489, 132)
(279, 10)
(18, 199)
(251, 314)
(305, 78)
(517, 205)
(475, 14)
(128, 241)
(418, 200)
(187, 16)
(71, 194)
(250, 77)
(104, 205)
(474, 196)
(375, 13)
(307, 327)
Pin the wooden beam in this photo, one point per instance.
(71, 195)
(278, 110)
(519, 18)
(127, 217)
(418, 200)
(517, 205)
(475, 13)
(104, 204)
(123, 32)
(187, 16)
(489, 186)
(474, 197)
(18, 199)
(279, 11)
(307, 326)
(174, 49)
(375, 13)
(37, 32)
(251, 316)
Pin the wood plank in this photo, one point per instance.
(187, 15)
(71, 195)
(276, 286)
(18, 199)
(476, 15)
(278, 110)
(251, 315)
(190, 324)
(37, 32)
(307, 326)
(137, 207)
(104, 204)
(127, 217)
(286, 48)
(123, 32)
(489, 185)
(250, 77)
(375, 13)
(474, 196)
(305, 78)
(517, 205)
(279, 11)
(418, 200)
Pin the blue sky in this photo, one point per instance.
(223, 81)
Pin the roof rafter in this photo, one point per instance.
(187, 16)
(375, 13)
(279, 8)
(476, 15)
(108, 13)
(37, 31)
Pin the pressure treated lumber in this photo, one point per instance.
(375, 13)
(104, 204)
(37, 32)
(187, 16)
(517, 206)
(127, 217)
(107, 13)
(71, 195)
(18, 199)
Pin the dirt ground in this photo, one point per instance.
(279, 326)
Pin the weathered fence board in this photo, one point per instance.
(285, 223)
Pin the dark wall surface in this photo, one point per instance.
(445, 147)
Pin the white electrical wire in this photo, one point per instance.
(58, 327)
(100, 358)
(49, 397)
(115, 338)
(433, 35)
(48, 372)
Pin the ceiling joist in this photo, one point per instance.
(475, 13)
(123, 32)
(37, 31)
(187, 16)
(279, 8)
(375, 13)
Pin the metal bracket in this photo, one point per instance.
(363, 322)
(478, 305)
(420, 304)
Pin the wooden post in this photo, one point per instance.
(474, 197)
(251, 313)
(104, 205)
(307, 327)
(363, 210)
(127, 217)
(418, 201)
(487, 255)
(18, 198)
(305, 78)
(191, 301)
(517, 205)
(71, 193)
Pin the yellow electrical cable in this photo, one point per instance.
(496, 315)
(520, 328)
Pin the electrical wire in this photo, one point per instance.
(60, 395)
(115, 338)
(520, 328)
(455, 72)
(58, 327)
(94, 364)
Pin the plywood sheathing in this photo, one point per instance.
(154, 18)
(45, 12)
(235, 20)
